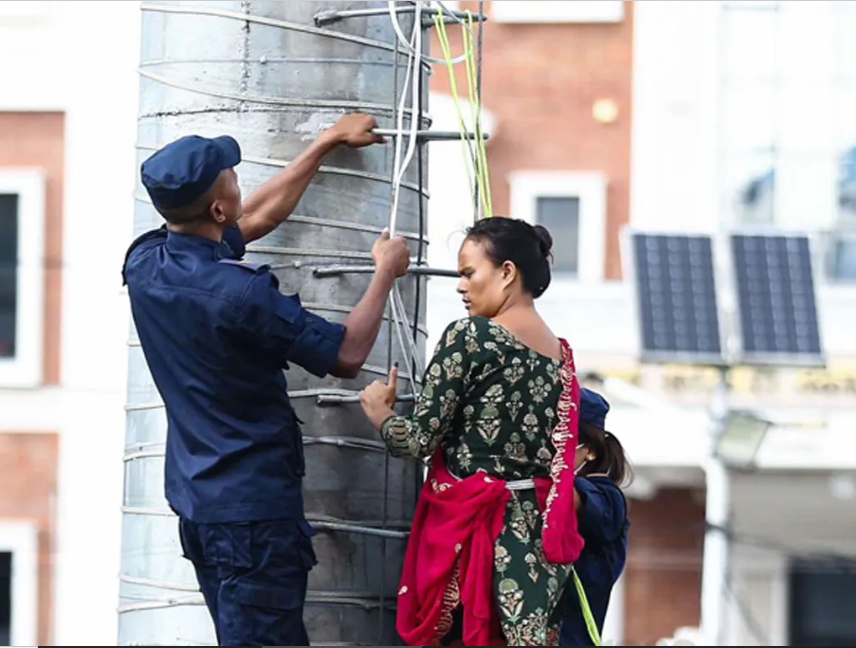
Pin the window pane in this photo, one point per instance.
(844, 260)
(844, 45)
(844, 132)
(561, 216)
(749, 189)
(752, 41)
(5, 598)
(8, 273)
(822, 603)
(751, 117)
(847, 187)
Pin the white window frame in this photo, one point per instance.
(537, 12)
(590, 188)
(25, 369)
(21, 539)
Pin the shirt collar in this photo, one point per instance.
(197, 244)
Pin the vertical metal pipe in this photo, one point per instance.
(479, 54)
(264, 73)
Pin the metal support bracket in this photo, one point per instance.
(328, 400)
(324, 18)
(431, 136)
(420, 271)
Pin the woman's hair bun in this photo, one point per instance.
(545, 240)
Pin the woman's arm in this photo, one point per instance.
(446, 380)
(601, 509)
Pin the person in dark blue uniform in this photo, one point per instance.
(217, 334)
(602, 469)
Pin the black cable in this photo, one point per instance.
(764, 543)
(420, 251)
(389, 351)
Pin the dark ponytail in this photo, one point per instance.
(610, 458)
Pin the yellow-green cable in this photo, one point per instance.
(472, 81)
(474, 107)
(480, 152)
(591, 624)
(440, 24)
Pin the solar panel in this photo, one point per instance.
(776, 298)
(676, 299)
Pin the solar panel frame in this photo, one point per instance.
(648, 353)
(790, 357)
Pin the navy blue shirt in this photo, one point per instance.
(217, 335)
(603, 524)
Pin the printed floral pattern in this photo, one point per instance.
(493, 404)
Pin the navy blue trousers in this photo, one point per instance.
(253, 577)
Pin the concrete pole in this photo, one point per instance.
(715, 568)
(266, 74)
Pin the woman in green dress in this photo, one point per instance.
(497, 414)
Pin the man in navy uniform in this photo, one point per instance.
(217, 334)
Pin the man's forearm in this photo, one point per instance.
(363, 325)
(274, 201)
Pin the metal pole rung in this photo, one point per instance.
(422, 271)
(431, 136)
(323, 18)
(335, 399)
(346, 527)
(460, 16)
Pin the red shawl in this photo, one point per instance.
(450, 556)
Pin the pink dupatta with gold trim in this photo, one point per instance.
(560, 534)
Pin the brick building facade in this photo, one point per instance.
(560, 93)
(34, 142)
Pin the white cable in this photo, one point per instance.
(415, 50)
(411, 343)
(399, 129)
(398, 312)
(396, 316)
(413, 70)
(414, 47)
(414, 123)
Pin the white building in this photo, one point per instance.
(743, 115)
(67, 129)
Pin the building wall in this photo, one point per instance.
(540, 83)
(71, 76)
(29, 464)
(663, 575)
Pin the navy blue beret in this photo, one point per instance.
(593, 409)
(185, 169)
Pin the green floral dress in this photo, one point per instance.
(492, 404)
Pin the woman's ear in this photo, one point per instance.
(509, 273)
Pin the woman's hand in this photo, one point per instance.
(378, 399)
(381, 394)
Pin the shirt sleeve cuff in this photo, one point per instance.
(317, 348)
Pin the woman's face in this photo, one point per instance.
(483, 286)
